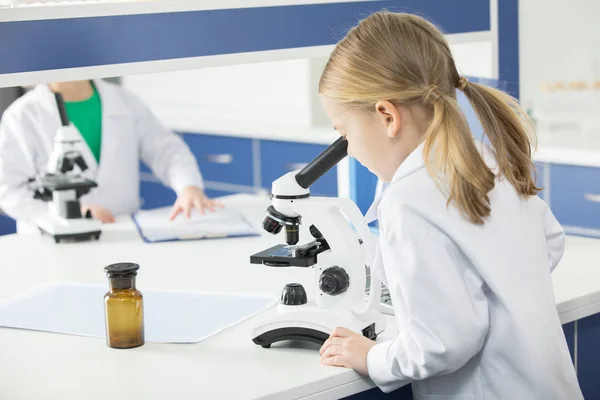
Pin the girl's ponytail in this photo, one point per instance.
(451, 156)
(507, 127)
(451, 151)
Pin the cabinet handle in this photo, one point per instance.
(219, 158)
(295, 166)
(594, 198)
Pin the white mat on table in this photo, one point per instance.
(169, 316)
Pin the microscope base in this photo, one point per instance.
(313, 324)
(79, 229)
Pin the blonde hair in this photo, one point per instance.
(406, 60)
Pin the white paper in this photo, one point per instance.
(223, 222)
(169, 316)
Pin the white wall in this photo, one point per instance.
(281, 92)
(268, 92)
(474, 58)
(559, 40)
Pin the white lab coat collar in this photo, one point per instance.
(412, 163)
(416, 161)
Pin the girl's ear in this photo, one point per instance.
(389, 116)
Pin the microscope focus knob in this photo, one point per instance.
(334, 281)
(293, 294)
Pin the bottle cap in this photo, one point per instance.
(121, 270)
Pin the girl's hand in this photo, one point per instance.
(192, 197)
(99, 213)
(346, 348)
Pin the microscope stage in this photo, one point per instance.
(283, 255)
(57, 183)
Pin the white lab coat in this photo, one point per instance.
(474, 305)
(130, 133)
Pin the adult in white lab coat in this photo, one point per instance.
(466, 248)
(129, 133)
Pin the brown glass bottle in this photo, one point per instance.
(123, 307)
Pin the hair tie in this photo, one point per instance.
(462, 83)
(432, 94)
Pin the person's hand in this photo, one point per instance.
(346, 348)
(192, 197)
(99, 213)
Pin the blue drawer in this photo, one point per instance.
(279, 158)
(155, 194)
(223, 159)
(575, 195)
(7, 225)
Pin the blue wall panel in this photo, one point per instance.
(362, 185)
(80, 42)
(7, 225)
(508, 44)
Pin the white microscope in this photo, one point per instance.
(341, 253)
(62, 186)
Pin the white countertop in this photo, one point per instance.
(45, 365)
(577, 279)
(589, 157)
(36, 365)
(251, 129)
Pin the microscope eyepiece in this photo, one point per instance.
(323, 163)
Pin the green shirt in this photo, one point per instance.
(86, 115)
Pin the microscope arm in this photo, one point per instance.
(340, 212)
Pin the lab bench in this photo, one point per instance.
(74, 365)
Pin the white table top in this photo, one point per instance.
(228, 365)
(36, 365)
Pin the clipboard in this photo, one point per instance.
(154, 226)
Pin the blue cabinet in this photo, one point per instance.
(278, 158)
(588, 356)
(7, 225)
(575, 195)
(155, 194)
(223, 159)
(569, 331)
(539, 174)
(404, 393)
